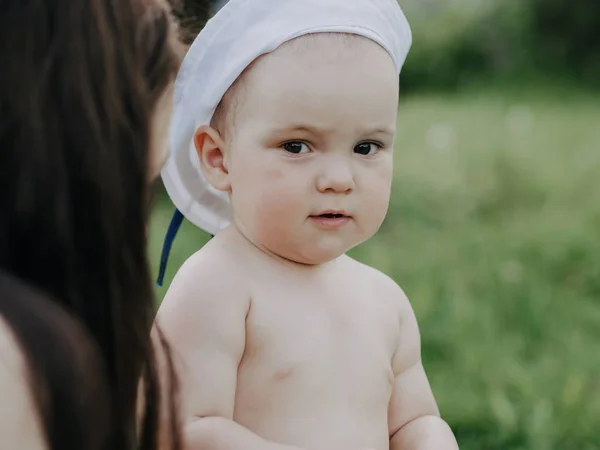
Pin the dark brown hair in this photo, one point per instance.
(79, 84)
(192, 15)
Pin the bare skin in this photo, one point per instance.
(20, 426)
(324, 357)
(281, 340)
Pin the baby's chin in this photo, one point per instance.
(299, 248)
(311, 253)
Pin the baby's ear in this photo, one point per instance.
(210, 147)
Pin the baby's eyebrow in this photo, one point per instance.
(303, 128)
(381, 131)
(318, 130)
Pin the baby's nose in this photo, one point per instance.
(337, 176)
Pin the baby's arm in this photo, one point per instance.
(203, 318)
(414, 419)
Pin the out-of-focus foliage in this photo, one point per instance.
(460, 41)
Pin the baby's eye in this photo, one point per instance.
(367, 148)
(295, 147)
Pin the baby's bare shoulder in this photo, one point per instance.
(211, 279)
(408, 342)
(382, 285)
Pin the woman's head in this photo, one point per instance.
(83, 87)
(79, 91)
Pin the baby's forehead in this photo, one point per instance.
(313, 49)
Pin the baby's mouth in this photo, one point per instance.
(331, 216)
(331, 220)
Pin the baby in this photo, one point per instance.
(282, 342)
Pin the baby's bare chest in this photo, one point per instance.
(319, 347)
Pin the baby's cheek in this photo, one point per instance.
(281, 190)
(379, 209)
(278, 202)
(273, 174)
(278, 211)
(376, 201)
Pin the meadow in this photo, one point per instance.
(494, 234)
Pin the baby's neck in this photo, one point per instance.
(242, 240)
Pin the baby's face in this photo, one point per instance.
(313, 139)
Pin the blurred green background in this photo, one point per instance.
(494, 225)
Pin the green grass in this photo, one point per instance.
(494, 234)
